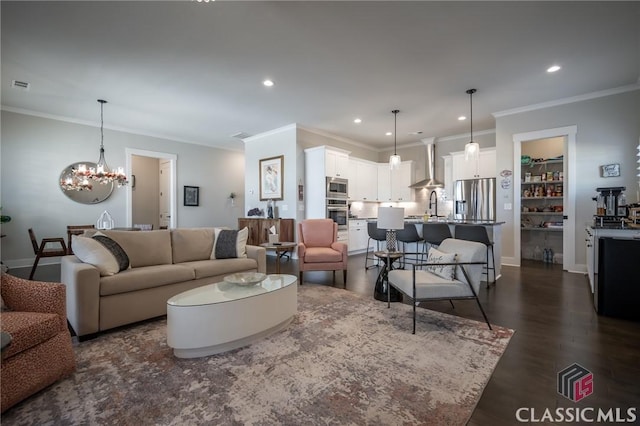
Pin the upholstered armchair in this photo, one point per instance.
(453, 271)
(319, 248)
(40, 352)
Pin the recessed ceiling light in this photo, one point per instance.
(388, 134)
(357, 121)
(462, 118)
(554, 68)
(268, 83)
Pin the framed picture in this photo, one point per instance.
(191, 195)
(610, 170)
(271, 178)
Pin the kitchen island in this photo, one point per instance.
(494, 230)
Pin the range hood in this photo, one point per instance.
(430, 181)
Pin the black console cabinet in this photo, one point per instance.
(617, 292)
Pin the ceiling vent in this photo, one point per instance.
(20, 84)
(241, 135)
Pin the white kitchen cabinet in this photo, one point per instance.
(400, 181)
(485, 168)
(448, 176)
(336, 163)
(384, 183)
(358, 235)
(363, 178)
(393, 185)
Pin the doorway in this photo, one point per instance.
(566, 200)
(162, 191)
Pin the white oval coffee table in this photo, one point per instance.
(222, 316)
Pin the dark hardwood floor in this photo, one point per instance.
(556, 326)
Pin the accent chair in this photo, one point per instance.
(319, 248)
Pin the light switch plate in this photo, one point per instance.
(508, 206)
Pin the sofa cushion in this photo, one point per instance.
(101, 252)
(211, 268)
(28, 329)
(144, 277)
(445, 271)
(189, 244)
(146, 248)
(230, 244)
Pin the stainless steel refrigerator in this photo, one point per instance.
(475, 199)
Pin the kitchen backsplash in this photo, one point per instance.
(418, 207)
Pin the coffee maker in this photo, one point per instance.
(611, 206)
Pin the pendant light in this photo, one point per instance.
(102, 173)
(471, 149)
(394, 160)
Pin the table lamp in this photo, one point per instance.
(391, 219)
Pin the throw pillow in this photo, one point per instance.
(101, 252)
(445, 271)
(228, 243)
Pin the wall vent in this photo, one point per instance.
(20, 84)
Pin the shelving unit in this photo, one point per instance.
(542, 209)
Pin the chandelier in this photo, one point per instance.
(101, 173)
(74, 182)
(394, 160)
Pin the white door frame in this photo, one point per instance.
(569, 202)
(173, 159)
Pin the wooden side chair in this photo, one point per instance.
(41, 250)
(75, 230)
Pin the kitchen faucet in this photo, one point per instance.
(431, 202)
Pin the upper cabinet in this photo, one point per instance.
(336, 163)
(457, 168)
(363, 176)
(393, 185)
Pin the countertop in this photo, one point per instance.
(417, 220)
(619, 227)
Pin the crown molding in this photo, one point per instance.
(270, 132)
(466, 135)
(570, 100)
(338, 138)
(114, 128)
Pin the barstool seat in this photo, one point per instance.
(410, 235)
(377, 235)
(435, 233)
(480, 235)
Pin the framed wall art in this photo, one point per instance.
(610, 170)
(271, 178)
(192, 196)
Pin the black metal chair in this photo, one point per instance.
(435, 233)
(480, 235)
(410, 235)
(377, 235)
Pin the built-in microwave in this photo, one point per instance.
(337, 188)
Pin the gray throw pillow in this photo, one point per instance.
(229, 244)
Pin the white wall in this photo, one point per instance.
(35, 150)
(274, 143)
(608, 132)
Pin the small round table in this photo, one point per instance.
(382, 283)
(280, 249)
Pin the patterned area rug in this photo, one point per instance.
(344, 359)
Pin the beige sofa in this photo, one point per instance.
(163, 264)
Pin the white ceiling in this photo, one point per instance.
(192, 71)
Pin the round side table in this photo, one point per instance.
(280, 249)
(382, 283)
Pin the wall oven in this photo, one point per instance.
(338, 211)
(337, 188)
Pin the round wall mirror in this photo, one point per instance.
(98, 193)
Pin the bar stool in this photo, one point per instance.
(410, 235)
(480, 235)
(377, 235)
(435, 233)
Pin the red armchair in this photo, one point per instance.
(40, 352)
(319, 248)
